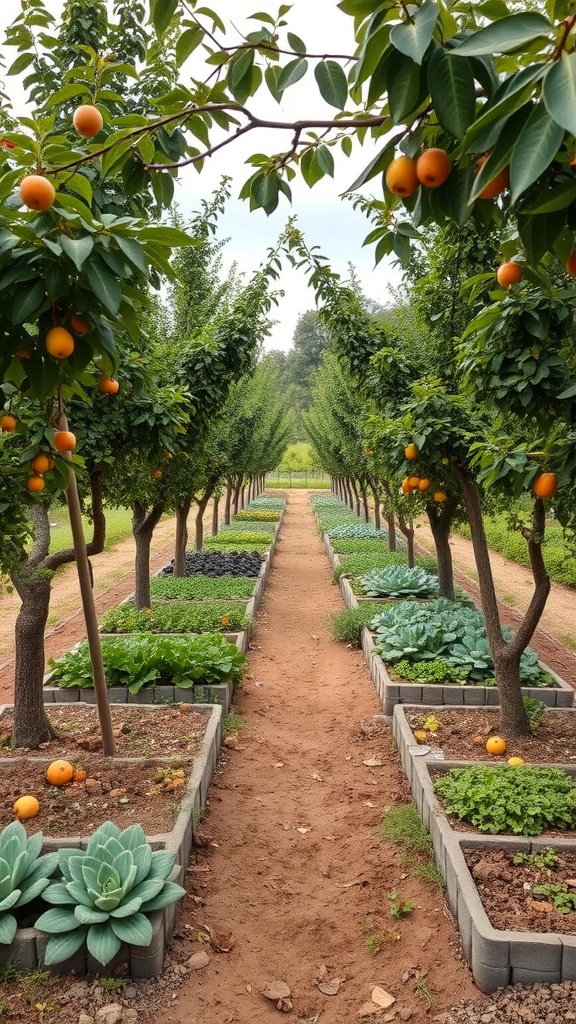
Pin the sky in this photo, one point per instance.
(326, 220)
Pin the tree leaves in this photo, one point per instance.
(332, 83)
(291, 73)
(505, 35)
(413, 38)
(559, 92)
(535, 148)
(451, 85)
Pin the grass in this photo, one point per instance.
(233, 722)
(560, 561)
(403, 826)
(346, 626)
(118, 527)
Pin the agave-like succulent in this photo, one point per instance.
(24, 874)
(105, 894)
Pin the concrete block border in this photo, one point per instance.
(496, 957)
(29, 945)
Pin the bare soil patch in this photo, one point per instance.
(147, 790)
(507, 891)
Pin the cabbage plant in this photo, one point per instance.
(24, 874)
(398, 581)
(106, 893)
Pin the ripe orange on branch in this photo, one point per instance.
(401, 177)
(440, 496)
(497, 184)
(41, 463)
(544, 485)
(87, 120)
(571, 264)
(64, 440)
(37, 192)
(411, 452)
(109, 386)
(36, 483)
(8, 423)
(78, 324)
(433, 167)
(509, 273)
(59, 343)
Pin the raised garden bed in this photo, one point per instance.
(190, 739)
(497, 957)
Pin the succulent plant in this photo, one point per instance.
(105, 894)
(398, 581)
(24, 874)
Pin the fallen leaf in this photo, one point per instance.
(330, 987)
(317, 777)
(382, 998)
(275, 990)
(373, 762)
(303, 831)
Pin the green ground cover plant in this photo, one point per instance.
(145, 659)
(346, 626)
(560, 561)
(436, 671)
(356, 531)
(449, 630)
(353, 565)
(118, 527)
(351, 546)
(403, 826)
(522, 800)
(228, 537)
(266, 503)
(227, 545)
(398, 581)
(238, 526)
(175, 588)
(258, 515)
(176, 617)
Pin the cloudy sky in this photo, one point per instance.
(326, 220)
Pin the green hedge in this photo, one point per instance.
(561, 565)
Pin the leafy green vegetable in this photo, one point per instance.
(355, 564)
(436, 671)
(356, 531)
(183, 617)
(173, 588)
(524, 799)
(262, 515)
(398, 581)
(228, 537)
(144, 659)
(266, 503)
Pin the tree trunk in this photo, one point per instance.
(376, 496)
(440, 519)
(242, 496)
(407, 529)
(202, 503)
(364, 494)
(180, 544)
(236, 499)
(349, 492)
(143, 526)
(215, 519)
(356, 504)
(228, 502)
(506, 656)
(391, 528)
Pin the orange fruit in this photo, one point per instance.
(515, 760)
(59, 773)
(41, 463)
(79, 775)
(571, 264)
(509, 273)
(109, 386)
(26, 807)
(414, 482)
(59, 343)
(64, 440)
(406, 489)
(401, 177)
(36, 483)
(440, 495)
(544, 485)
(37, 192)
(169, 455)
(156, 473)
(411, 452)
(78, 324)
(495, 745)
(87, 120)
(8, 423)
(498, 183)
(433, 167)
(424, 484)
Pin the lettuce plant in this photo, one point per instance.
(359, 531)
(106, 893)
(24, 874)
(398, 581)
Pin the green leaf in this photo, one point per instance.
(57, 920)
(291, 73)
(78, 249)
(136, 929)
(240, 66)
(103, 283)
(502, 152)
(271, 76)
(505, 35)
(69, 92)
(559, 92)
(26, 301)
(376, 166)
(510, 96)
(332, 83)
(554, 199)
(413, 38)
(296, 43)
(568, 393)
(539, 233)
(187, 43)
(459, 186)
(164, 235)
(60, 947)
(325, 160)
(21, 63)
(115, 153)
(162, 13)
(79, 184)
(87, 915)
(102, 942)
(264, 191)
(535, 148)
(451, 85)
(405, 88)
(8, 926)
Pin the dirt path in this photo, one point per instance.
(556, 634)
(113, 580)
(291, 866)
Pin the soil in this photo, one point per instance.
(290, 880)
(164, 740)
(553, 743)
(506, 891)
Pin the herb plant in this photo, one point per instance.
(24, 874)
(545, 859)
(347, 625)
(523, 800)
(356, 531)
(174, 588)
(244, 537)
(106, 893)
(225, 543)
(558, 894)
(262, 515)
(436, 671)
(398, 581)
(368, 546)
(183, 617)
(144, 659)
